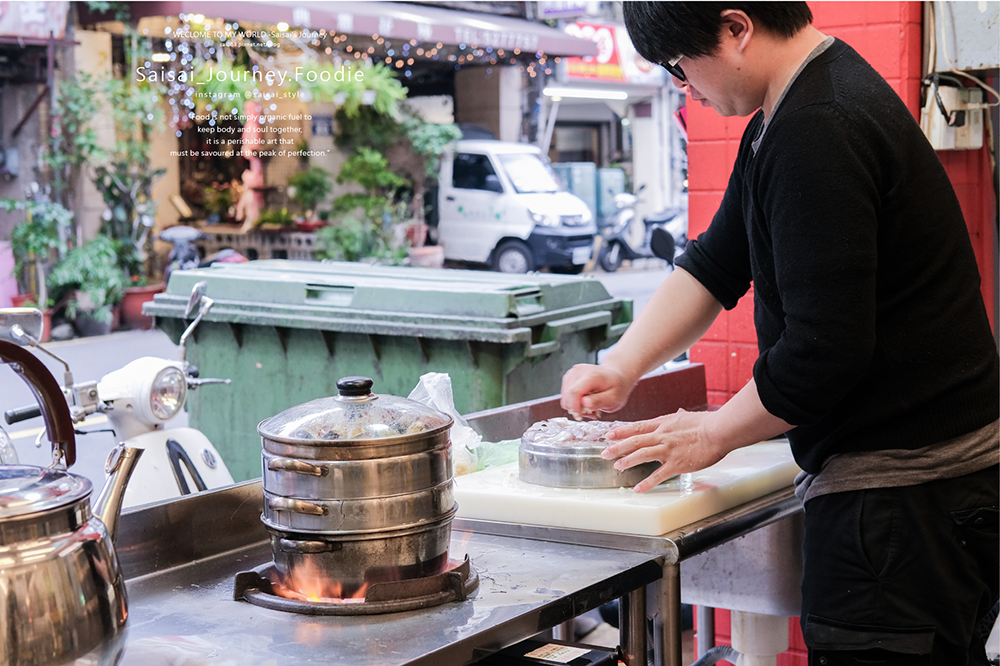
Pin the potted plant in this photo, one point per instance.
(272, 219)
(34, 240)
(308, 189)
(219, 202)
(91, 283)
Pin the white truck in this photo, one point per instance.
(499, 203)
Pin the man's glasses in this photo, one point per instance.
(675, 71)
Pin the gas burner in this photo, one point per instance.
(262, 587)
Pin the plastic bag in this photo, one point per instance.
(434, 390)
(494, 454)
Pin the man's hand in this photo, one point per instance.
(679, 441)
(589, 389)
(690, 441)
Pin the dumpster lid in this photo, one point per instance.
(330, 287)
(355, 414)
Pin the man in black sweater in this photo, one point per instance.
(876, 356)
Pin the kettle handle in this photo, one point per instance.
(55, 411)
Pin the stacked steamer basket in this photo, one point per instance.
(358, 490)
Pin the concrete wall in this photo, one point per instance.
(92, 55)
(491, 99)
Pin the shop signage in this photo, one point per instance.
(616, 60)
(554, 9)
(26, 18)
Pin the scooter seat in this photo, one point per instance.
(662, 217)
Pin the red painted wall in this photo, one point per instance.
(889, 36)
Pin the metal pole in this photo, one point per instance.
(550, 126)
(706, 630)
(564, 631)
(670, 611)
(632, 626)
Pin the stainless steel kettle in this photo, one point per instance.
(62, 593)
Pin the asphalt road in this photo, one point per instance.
(91, 358)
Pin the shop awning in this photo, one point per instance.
(388, 20)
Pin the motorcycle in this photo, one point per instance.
(664, 237)
(185, 255)
(138, 400)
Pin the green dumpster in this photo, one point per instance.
(286, 331)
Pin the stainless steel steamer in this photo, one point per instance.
(358, 489)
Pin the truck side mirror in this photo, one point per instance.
(492, 183)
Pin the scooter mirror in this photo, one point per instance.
(194, 303)
(21, 326)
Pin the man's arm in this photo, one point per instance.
(679, 313)
(689, 441)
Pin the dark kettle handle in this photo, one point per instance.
(55, 411)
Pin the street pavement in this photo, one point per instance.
(92, 358)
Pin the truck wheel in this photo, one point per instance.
(512, 257)
(611, 257)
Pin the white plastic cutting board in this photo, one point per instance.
(742, 476)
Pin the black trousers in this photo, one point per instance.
(902, 576)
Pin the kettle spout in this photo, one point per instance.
(120, 465)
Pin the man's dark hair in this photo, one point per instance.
(661, 31)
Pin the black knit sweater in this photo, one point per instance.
(871, 328)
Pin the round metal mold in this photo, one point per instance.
(560, 453)
(578, 469)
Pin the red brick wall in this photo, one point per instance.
(888, 35)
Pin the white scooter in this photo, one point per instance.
(138, 400)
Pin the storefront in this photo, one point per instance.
(463, 67)
(616, 108)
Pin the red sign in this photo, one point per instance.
(605, 66)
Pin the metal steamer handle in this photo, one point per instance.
(55, 410)
(296, 466)
(296, 506)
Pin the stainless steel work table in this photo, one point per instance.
(655, 395)
(180, 560)
(668, 551)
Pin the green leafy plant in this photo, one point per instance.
(35, 239)
(275, 217)
(72, 142)
(353, 239)
(369, 169)
(130, 213)
(311, 187)
(90, 279)
(410, 146)
(218, 199)
(363, 86)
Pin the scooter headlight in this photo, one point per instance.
(167, 394)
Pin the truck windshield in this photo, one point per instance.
(529, 173)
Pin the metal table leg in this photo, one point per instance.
(564, 631)
(670, 613)
(706, 630)
(632, 626)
